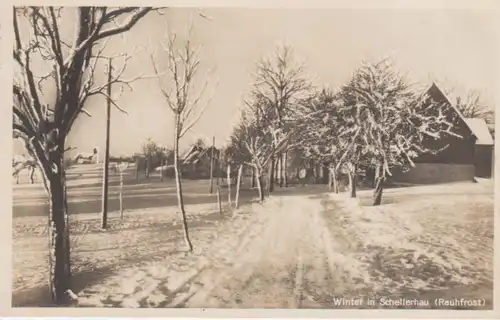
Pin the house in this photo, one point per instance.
(195, 163)
(87, 158)
(460, 159)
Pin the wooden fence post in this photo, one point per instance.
(238, 185)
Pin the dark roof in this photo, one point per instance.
(438, 95)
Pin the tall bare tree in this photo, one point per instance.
(469, 103)
(280, 80)
(72, 63)
(182, 98)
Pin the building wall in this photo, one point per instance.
(493, 163)
(456, 151)
(484, 161)
(429, 173)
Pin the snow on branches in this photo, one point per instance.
(71, 65)
(387, 120)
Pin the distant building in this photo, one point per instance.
(195, 163)
(87, 158)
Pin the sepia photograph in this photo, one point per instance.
(252, 157)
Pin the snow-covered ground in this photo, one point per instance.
(304, 248)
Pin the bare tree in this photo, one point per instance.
(44, 128)
(149, 147)
(182, 98)
(280, 80)
(154, 155)
(471, 106)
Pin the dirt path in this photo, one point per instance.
(318, 252)
(291, 262)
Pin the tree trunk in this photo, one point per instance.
(375, 177)
(335, 184)
(271, 176)
(218, 200)
(32, 175)
(59, 269)
(277, 176)
(377, 193)
(330, 181)
(148, 166)
(352, 179)
(280, 170)
(238, 185)
(229, 185)
(180, 200)
(212, 167)
(275, 171)
(260, 187)
(285, 169)
(137, 166)
(253, 179)
(161, 169)
(351, 172)
(313, 175)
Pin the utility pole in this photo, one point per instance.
(104, 213)
(212, 166)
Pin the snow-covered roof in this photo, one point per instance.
(189, 153)
(480, 129)
(195, 153)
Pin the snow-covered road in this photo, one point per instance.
(304, 248)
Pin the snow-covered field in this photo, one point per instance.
(304, 248)
(426, 242)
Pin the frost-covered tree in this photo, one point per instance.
(155, 155)
(387, 123)
(281, 82)
(256, 136)
(321, 138)
(43, 125)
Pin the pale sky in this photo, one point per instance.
(454, 47)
